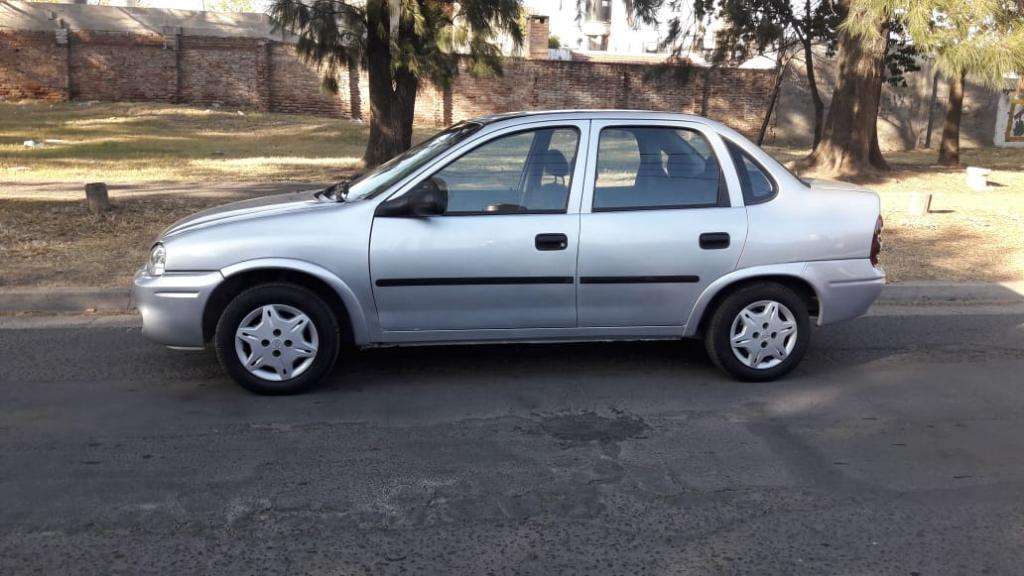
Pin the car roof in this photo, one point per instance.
(592, 114)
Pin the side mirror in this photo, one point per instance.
(429, 198)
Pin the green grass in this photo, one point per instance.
(146, 143)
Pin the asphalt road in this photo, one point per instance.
(895, 449)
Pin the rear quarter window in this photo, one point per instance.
(757, 185)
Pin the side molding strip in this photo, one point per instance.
(481, 281)
(639, 279)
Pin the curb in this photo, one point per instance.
(80, 300)
(64, 300)
(952, 293)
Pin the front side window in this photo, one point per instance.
(524, 172)
(756, 185)
(644, 168)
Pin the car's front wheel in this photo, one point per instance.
(759, 332)
(277, 338)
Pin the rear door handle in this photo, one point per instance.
(714, 240)
(551, 242)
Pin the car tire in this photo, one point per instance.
(759, 354)
(286, 332)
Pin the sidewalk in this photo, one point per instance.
(113, 300)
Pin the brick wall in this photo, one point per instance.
(32, 66)
(295, 87)
(736, 97)
(262, 74)
(115, 66)
(225, 71)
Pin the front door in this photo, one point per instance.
(658, 224)
(503, 256)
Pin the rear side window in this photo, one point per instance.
(757, 186)
(649, 168)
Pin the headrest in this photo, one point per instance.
(685, 165)
(555, 163)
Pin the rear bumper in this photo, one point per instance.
(845, 288)
(172, 305)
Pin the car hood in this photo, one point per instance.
(249, 209)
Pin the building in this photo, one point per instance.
(608, 29)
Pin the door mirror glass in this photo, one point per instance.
(428, 198)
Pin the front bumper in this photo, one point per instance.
(172, 305)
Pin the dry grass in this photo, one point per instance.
(163, 162)
(173, 160)
(57, 242)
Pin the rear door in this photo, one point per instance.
(503, 256)
(661, 218)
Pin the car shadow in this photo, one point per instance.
(834, 349)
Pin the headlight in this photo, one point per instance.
(157, 260)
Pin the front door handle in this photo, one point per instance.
(551, 242)
(714, 240)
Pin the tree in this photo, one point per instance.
(872, 50)
(981, 39)
(781, 25)
(400, 43)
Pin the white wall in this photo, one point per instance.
(258, 5)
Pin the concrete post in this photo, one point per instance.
(919, 204)
(63, 38)
(97, 198)
(264, 76)
(172, 41)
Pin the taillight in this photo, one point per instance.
(876, 242)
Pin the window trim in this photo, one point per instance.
(572, 171)
(729, 145)
(723, 200)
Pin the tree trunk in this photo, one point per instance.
(931, 110)
(812, 87)
(949, 148)
(406, 85)
(875, 157)
(387, 132)
(392, 96)
(773, 99)
(845, 147)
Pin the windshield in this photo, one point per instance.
(381, 178)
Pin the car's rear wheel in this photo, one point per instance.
(277, 338)
(759, 332)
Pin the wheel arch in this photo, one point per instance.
(332, 289)
(789, 275)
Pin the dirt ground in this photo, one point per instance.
(164, 162)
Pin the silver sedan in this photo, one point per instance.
(524, 227)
